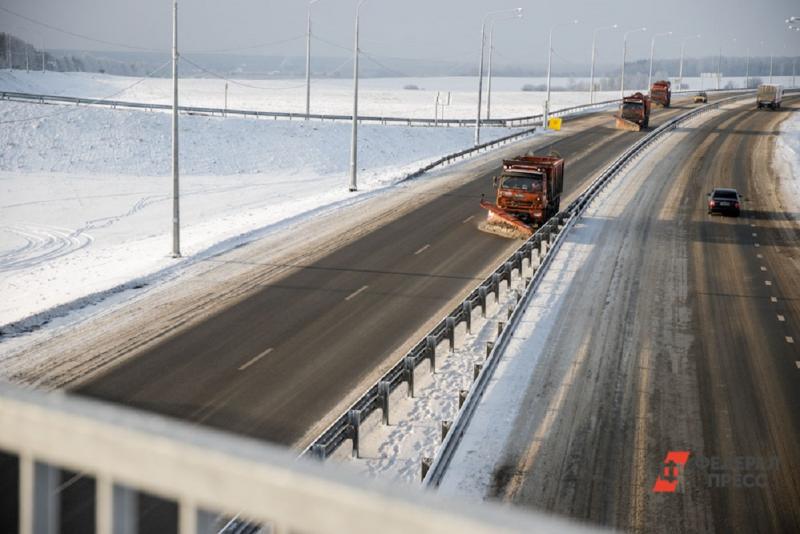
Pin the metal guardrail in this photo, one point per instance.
(512, 122)
(210, 475)
(545, 240)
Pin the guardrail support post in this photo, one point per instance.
(450, 322)
(467, 307)
(426, 465)
(354, 420)
(103, 505)
(482, 297)
(318, 452)
(409, 365)
(507, 273)
(496, 287)
(500, 326)
(476, 370)
(489, 348)
(446, 428)
(430, 342)
(384, 389)
(462, 397)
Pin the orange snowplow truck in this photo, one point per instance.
(634, 113)
(528, 194)
(661, 93)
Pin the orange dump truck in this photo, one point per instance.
(661, 93)
(634, 113)
(528, 194)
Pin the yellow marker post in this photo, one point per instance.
(554, 123)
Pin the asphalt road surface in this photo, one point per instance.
(682, 333)
(274, 365)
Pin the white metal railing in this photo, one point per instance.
(217, 473)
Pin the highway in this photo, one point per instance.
(273, 365)
(680, 333)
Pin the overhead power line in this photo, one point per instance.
(79, 35)
(236, 82)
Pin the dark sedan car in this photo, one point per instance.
(724, 201)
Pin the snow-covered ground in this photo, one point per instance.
(788, 160)
(377, 96)
(86, 193)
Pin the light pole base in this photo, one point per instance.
(176, 255)
(353, 189)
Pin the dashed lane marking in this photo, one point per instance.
(774, 299)
(789, 339)
(757, 245)
(755, 234)
(763, 268)
(255, 359)
(468, 219)
(354, 294)
(423, 249)
(767, 283)
(797, 364)
(760, 256)
(781, 318)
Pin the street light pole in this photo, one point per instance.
(680, 68)
(546, 114)
(491, 55)
(308, 59)
(625, 58)
(747, 71)
(354, 137)
(486, 19)
(176, 221)
(652, 51)
(594, 55)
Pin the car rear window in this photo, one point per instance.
(725, 195)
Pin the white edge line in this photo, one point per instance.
(355, 293)
(255, 359)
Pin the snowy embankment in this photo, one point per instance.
(787, 160)
(86, 203)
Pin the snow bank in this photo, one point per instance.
(86, 193)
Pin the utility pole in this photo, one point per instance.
(747, 71)
(546, 114)
(486, 19)
(625, 59)
(594, 55)
(719, 67)
(770, 67)
(652, 51)
(176, 220)
(354, 137)
(308, 60)
(226, 98)
(491, 55)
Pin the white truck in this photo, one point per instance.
(769, 96)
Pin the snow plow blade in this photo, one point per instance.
(630, 126)
(499, 222)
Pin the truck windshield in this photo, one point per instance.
(632, 106)
(529, 183)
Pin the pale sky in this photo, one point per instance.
(430, 29)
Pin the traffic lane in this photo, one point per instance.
(599, 422)
(751, 410)
(581, 445)
(203, 374)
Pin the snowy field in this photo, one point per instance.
(378, 96)
(86, 193)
